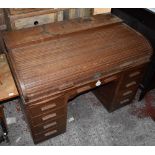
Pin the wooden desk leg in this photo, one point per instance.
(3, 125)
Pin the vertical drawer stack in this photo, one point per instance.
(129, 84)
(47, 117)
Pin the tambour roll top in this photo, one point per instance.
(52, 58)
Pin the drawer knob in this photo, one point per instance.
(98, 83)
(50, 133)
(48, 116)
(48, 107)
(49, 125)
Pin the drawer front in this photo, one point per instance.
(49, 116)
(46, 106)
(126, 96)
(96, 83)
(127, 93)
(48, 134)
(135, 73)
(131, 83)
(56, 123)
(125, 99)
(34, 21)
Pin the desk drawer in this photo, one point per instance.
(34, 21)
(126, 96)
(131, 83)
(49, 116)
(46, 106)
(96, 83)
(48, 134)
(50, 124)
(135, 73)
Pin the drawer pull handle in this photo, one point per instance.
(50, 133)
(131, 84)
(134, 74)
(49, 125)
(124, 101)
(127, 93)
(49, 116)
(48, 107)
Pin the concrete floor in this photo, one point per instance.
(92, 125)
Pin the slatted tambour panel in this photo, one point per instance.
(54, 65)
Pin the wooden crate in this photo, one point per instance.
(25, 18)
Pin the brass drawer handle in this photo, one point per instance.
(48, 116)
(50, 133)
(134, 74)
(131, 84)
(49, 125)
(48, 107)
(124, 101)
(127, 93)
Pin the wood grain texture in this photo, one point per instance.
(50, 31)
(23, 18)
(18, 18)
(55, 62)
(8, 88)
(68, 59)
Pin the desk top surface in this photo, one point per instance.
(48, 66)
(45, 32)
(8, 88)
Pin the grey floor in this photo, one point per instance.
(89, 124)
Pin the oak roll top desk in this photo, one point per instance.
(55, 62)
